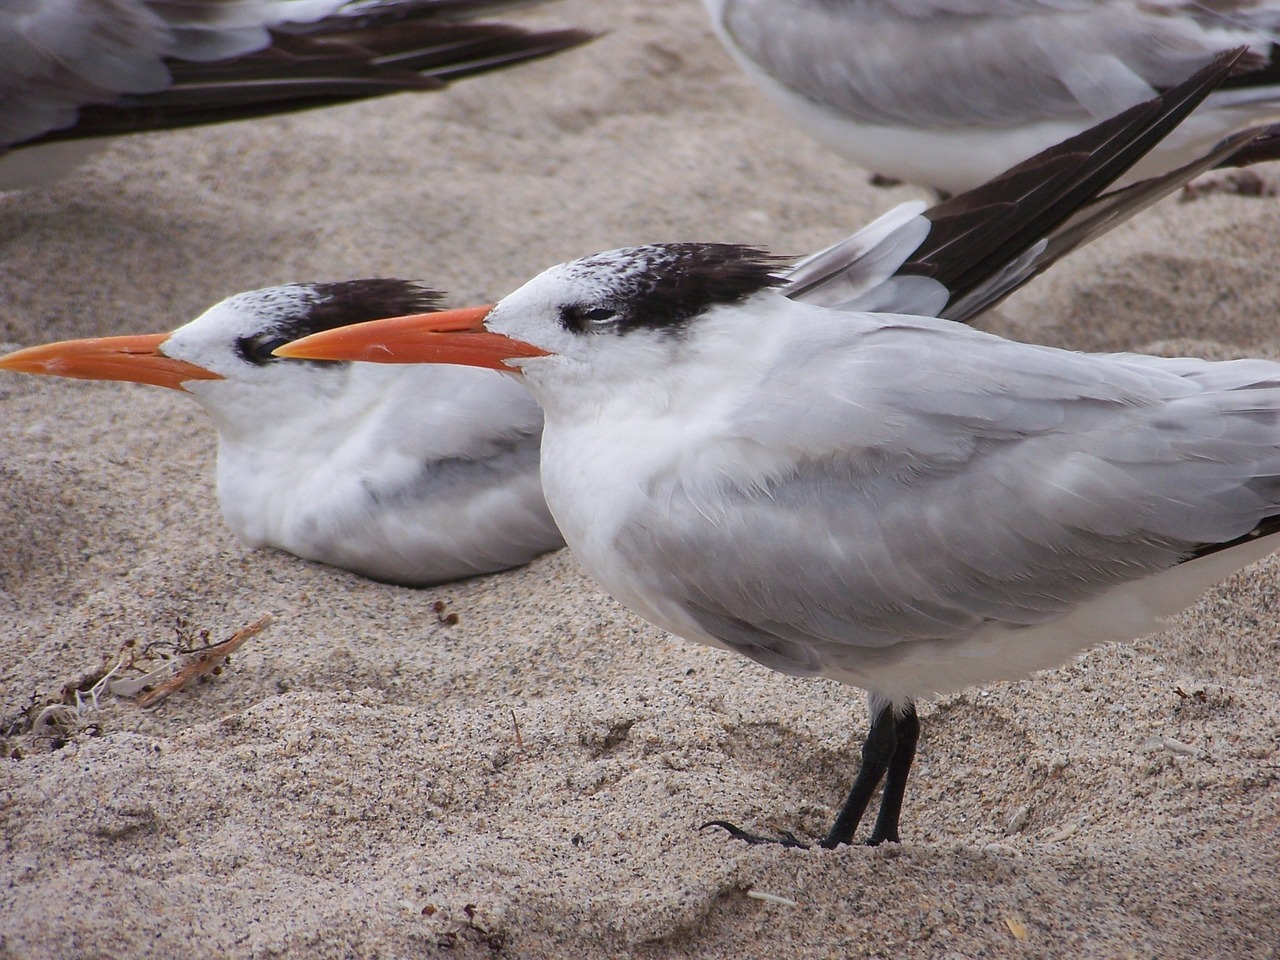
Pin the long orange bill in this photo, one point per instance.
(133, 359)
(449, 336)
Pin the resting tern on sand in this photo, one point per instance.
(897, 502)
(412, 475)
(74, 72)
(947, 93)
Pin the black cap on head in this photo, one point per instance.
(663, 286)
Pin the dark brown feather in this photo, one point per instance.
(405, 47)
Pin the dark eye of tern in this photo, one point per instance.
(257, 349)
(578, 318)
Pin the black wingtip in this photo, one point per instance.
(1262, 146)
(981, 231)
(1160, 116)
(392, 48)
(1268, 526)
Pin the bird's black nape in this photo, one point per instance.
(312, 307)
(346, 302)
(664, 286)
(887, 754)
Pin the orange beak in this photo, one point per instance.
(449, 336)
(133, 359)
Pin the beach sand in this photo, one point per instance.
(365, 779)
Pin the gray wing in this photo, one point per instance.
(93, 68)
(933, 481)
(999, 63)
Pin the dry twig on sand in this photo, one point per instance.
(202, 661)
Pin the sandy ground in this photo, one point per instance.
(365, 781)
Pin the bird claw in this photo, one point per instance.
(785, 839)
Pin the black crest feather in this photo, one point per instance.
(302, 309)
(663, 286)
(355, 301)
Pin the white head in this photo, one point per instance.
(224, 357)
(235, 338)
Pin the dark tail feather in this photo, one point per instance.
(978, 233)
(983, 244)
(385, 49)
(1264, 147)
(1096, 218)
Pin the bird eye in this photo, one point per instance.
(257, 350)
(578, 318)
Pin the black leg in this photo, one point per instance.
(895, 781)
(877, 752)
(887, 754)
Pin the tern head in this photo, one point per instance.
(225, 355)
(631, 302)
(236, 338)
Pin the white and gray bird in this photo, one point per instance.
(901, 503)
(411, 475)
(948, 93)
(74, 73)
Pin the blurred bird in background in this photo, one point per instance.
(74, 73)
(948, 93)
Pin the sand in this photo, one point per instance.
(364, 780)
